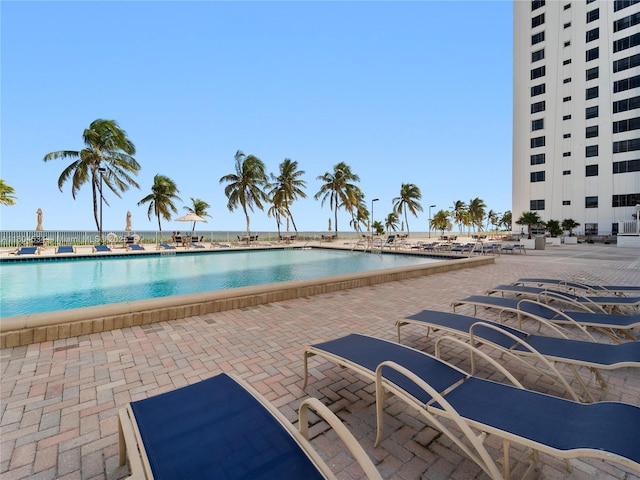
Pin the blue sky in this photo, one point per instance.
(403, 92)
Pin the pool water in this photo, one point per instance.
(45, 286)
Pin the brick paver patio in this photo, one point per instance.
(59, 399)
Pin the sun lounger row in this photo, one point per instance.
(445, 395)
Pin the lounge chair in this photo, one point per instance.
(27, 251)
(222, 428)
(518, 344)
(478, 407)
(579, 287)
(608, 324)
(196, 245)
(390, 242)
(593, 302)
(135, 247)
(65, 249)
(167, 246)
(516, 247)
(101, 248)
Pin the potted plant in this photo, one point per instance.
(530, 219)
(570, 224)
(554, 229)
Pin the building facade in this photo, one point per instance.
(576, 112)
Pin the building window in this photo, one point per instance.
(536, 4)
(566, 172)
(591, 112)
(538, 72)
(537, 142)
(626, 166)
(566, 154)
(628, 200)
(566, 117)
(567, 80)
(537, 38)
(566, 62)
(626, 84)
(593, 54)
(538, 90)
(567, 43)
(591, 202)
(591, 131)
(591, 171)
(626, 145)
(591, 229)
(567, 6)
(566, 99)
(592, 73)
(566, 135)
(536, 204)
(626, 125)
(626, 63)
(591, 93)
(537, 177)
(566, 202)
(538, 159)
(591, 151)
(537, 124)
(538, 107)
(537, 55)
(626, 22)
(626, 104)
(620, 4)
(593, 35)
(627, 42)
(567, 25)
(537, 20)
(592, 15)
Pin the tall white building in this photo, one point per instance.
(576, 113)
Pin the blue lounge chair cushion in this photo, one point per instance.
(215, 429)
(27, 251)
(135, 246)
(101, 248)
(65, 249)
(166, 246)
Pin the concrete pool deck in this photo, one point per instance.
(60, 398)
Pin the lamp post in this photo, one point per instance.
(101, 170)
(371, 220)
(430, 207)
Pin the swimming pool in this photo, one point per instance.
(46, 286)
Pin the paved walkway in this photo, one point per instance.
(59, 399)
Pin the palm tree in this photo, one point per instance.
(440, 221)
(529, 219)
(198, 207)
(391, 222)
(408, 201)
(287, 187)
(505, 220)
(339, 189)
(569, 224)
(7, 194)
(360, 214)
(492, 219)
(476, 210)
(108, 157)
(459, 209)
(163, 193)
(245, 186)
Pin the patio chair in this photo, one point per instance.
(599, 303)
(65, 249)
(516, 247)
(611, 325)
(521, 345)
(100, 248)
(167, 246)
(579, 287)
(223, 428)
(27, 251)
(136, 247)
(450, 400)
(390, 242)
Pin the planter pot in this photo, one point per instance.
(554, 241)
(570, 240)
(528, 243)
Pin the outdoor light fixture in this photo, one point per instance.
(430, 207)
(371, 220)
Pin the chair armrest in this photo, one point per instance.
(345, 435)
